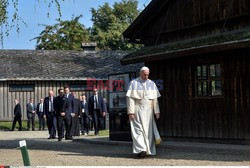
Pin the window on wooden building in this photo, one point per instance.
(208, 80)
(21, 87)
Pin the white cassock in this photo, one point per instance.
(142, 102)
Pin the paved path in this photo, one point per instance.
(99, 151)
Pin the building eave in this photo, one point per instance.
(203, 45)
(50, 79)
(188, 52)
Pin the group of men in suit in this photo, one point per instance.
(72, 112)
(65, 113)
(60, 113)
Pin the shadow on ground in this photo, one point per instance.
(124, 150)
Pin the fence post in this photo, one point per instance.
(25, 154)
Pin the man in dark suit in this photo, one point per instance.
(41, 115)
(69, 108)
(48, 108)
(60, 105)
(31, 112)
(97, 109)
(85, 115)
(17, 116)
(75, 125)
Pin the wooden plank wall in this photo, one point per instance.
(187, 19)
(41, 91)
(182, 115)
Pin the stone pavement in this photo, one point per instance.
(99, 151)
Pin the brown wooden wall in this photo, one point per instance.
(41, 91)
(182, 115)
(185, 19)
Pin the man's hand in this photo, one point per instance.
(72, 114)
(13, 115)
(62, 114)
(44, 116)
(90, 116)
(33, 112)
(131, 116)
(157, 116)
(79, 116)
(103, 114)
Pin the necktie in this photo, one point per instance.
(41, 108)
(32, 106)
(95, 102)
(51, 104)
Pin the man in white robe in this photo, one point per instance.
(142, 105)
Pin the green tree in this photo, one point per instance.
(110, 22)
(65, 35)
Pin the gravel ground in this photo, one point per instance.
(44, 152)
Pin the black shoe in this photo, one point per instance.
(142, 154)
(59, 139)
(69, 138)
(33, 129)
(12, 130)
(52, 138)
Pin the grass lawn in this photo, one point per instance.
(6, 126)
(104, 133)
(101, 133)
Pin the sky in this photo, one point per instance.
(34, 14)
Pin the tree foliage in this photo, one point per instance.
(10, 20)
(110, 21)
(65, 35)
(108, 24)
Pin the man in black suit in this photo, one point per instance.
(17, 116)
(75, 125)
(60, 105)
(41, 115)
(48, 108)
(97, 109)
(69, 108)
(85, 115)
(31, 113)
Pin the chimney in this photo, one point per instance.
(89, 47)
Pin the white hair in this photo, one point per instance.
(144, 68)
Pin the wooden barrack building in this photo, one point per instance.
(201, 51)
(29, 74)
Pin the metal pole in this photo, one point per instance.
(25, 154)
